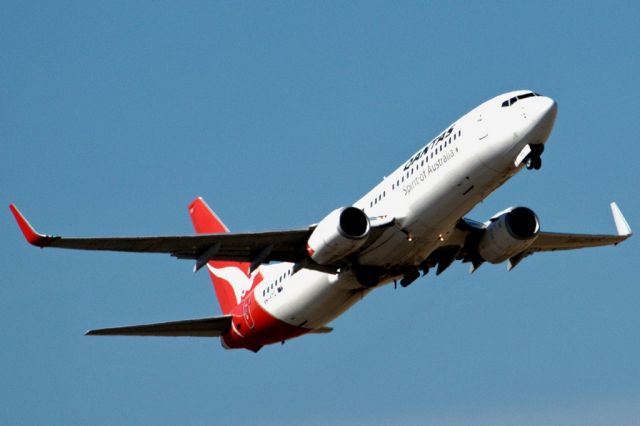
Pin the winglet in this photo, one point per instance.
(32, 236)
(623, 228)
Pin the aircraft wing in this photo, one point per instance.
(461, 245)
(254, 247)
(288, 246)
(552, 241)
(202, 327)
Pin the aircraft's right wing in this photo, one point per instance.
(253, 247)
(288, 246)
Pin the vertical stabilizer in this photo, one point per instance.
(232, 281)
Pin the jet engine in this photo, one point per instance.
(510, 233)
(342, 232)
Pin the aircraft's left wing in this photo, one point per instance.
(463, 242)
(551, 241)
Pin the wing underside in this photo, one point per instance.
(254, 247)
(286, 246)
(290, 245)
(462, 244)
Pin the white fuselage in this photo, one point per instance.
(427, 196)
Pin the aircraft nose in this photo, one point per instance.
(544, 110)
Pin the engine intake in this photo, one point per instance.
(510, 233)
(342, 232)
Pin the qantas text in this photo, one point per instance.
(424, 151)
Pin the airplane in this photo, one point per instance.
(277, 285)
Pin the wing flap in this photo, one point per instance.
(202, 327)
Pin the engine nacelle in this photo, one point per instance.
(342, 232)
(509, 234)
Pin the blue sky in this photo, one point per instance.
(115, 115)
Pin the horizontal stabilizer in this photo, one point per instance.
(321, 330)
(203, 327)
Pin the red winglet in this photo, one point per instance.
(30, 234)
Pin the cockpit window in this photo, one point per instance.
(515, 99)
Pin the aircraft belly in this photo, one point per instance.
(434, 209)
(319, 298)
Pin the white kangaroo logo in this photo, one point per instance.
(238, 280)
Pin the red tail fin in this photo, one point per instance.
(231, 280)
